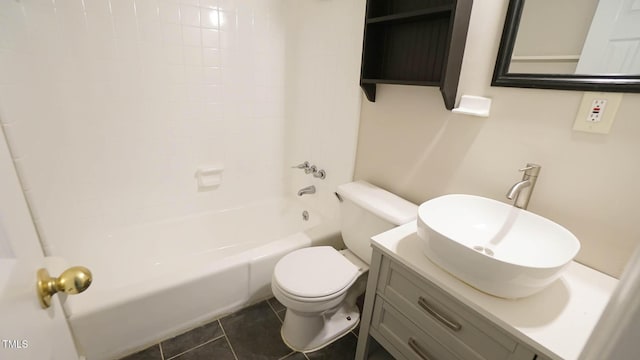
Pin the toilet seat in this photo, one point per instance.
(314, 274)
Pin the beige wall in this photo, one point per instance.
(409, 144)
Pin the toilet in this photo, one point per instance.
(319, 285)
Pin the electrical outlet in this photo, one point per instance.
(597, 112)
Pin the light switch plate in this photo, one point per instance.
(597, 112)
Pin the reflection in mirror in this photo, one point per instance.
(550, 42)
(578, 37)
(589, 45)
(612, 45)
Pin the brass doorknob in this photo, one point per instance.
(74, 280)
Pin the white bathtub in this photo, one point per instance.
(174, 275)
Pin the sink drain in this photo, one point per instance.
(483, 249)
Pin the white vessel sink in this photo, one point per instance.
(495, 247)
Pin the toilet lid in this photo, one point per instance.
(314, 272)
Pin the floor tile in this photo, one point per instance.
(215, 350)
(343, 349)
(150, 353)
(254, 333)
(377, 352)
(191, 339)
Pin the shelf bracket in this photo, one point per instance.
(369, 91)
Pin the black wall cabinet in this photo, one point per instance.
(414, 42)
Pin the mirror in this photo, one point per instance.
(586, 45)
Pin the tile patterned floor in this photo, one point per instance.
(249, 334)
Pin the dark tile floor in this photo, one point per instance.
(251, 333)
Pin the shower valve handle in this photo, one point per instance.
(311, 169)
(321, 174)
(305, 165)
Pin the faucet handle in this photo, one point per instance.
(319, 173)
(531, 169)
(305, 165)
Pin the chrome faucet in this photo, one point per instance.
(307, 190)
(521, 191)
(311, 169)
(304, 166)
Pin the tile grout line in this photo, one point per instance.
(227, 338)
(161, 351)
(288, 355)
(195, 347)
(274, 310)
(270, 306)
(282, 321)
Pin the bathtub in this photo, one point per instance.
(177, 274)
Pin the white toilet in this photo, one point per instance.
(319, 285)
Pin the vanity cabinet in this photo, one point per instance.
(414, 42)
(412, 318)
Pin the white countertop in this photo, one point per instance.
(555, 322)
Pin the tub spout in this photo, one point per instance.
(307, 190)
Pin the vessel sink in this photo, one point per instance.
(495, 247)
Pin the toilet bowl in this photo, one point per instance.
(319, 285)
(314, 284)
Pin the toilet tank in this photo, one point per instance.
(367, 210)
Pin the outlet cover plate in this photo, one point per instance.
(606, 116)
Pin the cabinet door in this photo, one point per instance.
(405, 336)
(455, 326)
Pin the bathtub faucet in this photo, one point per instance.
(311, 169)
(307, 190)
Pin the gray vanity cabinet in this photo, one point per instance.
(412, 318)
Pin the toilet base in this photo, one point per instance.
(305, 333)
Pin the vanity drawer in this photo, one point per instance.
(405, 336)
(455, 326)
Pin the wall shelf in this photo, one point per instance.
(414, 42)
(444, 10)
(400, 82)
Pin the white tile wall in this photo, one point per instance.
(111, 106)
(323, 96)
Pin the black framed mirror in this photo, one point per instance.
(506, 73)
